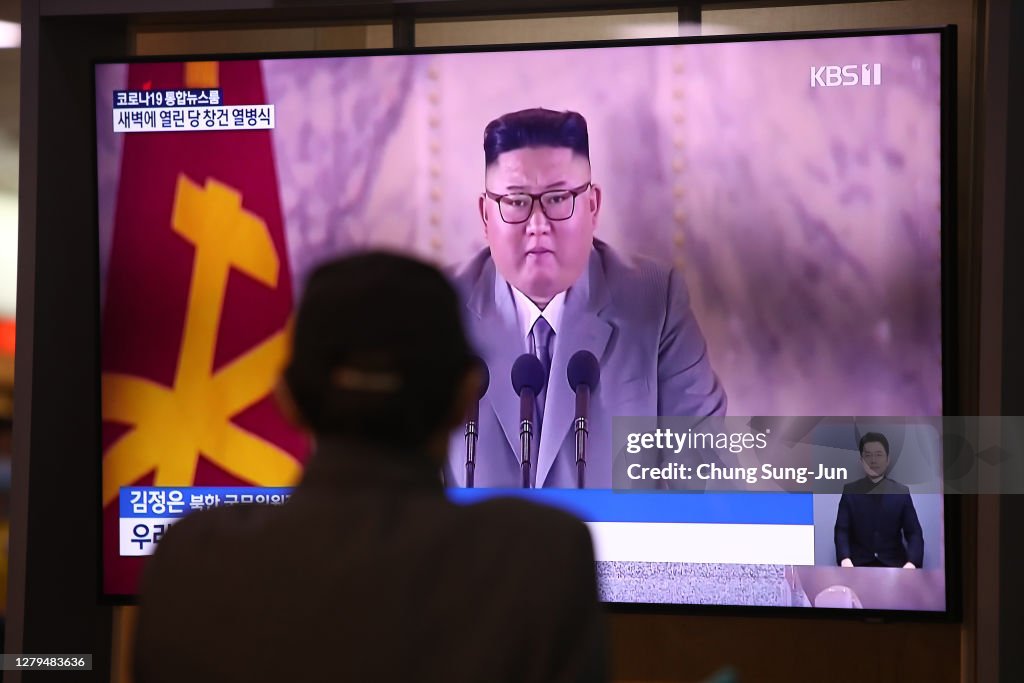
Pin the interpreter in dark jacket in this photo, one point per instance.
(877, 524)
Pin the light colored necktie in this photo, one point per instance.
(543, 337)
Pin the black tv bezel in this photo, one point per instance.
(948, 293)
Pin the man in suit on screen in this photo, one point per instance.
(545, 285)
(877, 525)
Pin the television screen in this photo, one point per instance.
(705, 231)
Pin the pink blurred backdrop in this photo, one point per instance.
(806, 220)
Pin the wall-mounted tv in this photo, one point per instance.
(733, 227)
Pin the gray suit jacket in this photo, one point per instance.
(634, 317)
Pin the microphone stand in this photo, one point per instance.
(581, 451)
(471, 437)
(473, 421)
(526, 405)
(528, 378)
(581, 429)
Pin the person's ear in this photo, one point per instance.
(595, 200)
(482, 208)
(286, 404)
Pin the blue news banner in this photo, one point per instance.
(146, 512)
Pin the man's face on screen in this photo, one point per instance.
(874, 459)
(543, 254)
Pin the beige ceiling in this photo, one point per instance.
(9, 111)
(9, 98)
(10, 10)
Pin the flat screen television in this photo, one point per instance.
(766, 223)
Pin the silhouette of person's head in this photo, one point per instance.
(379, 354)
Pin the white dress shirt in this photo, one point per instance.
(527, 312)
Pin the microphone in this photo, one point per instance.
(473, 420)
(528, 378)
(583, 373)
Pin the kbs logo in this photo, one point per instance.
(850, 74)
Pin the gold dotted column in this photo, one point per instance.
(436, 210)
(677, 133)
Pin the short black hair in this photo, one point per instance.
(874, 437)
(378, 349)
(535, 128)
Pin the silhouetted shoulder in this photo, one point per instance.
(529, 514)
(215, 528)
(528, 529)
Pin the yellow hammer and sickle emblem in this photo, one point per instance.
(172, 426)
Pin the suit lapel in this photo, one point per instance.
(498, 336)
(581, 328)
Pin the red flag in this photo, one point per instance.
(198, 298)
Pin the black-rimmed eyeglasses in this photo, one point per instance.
(557, 205)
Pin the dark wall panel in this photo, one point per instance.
(59, 538)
